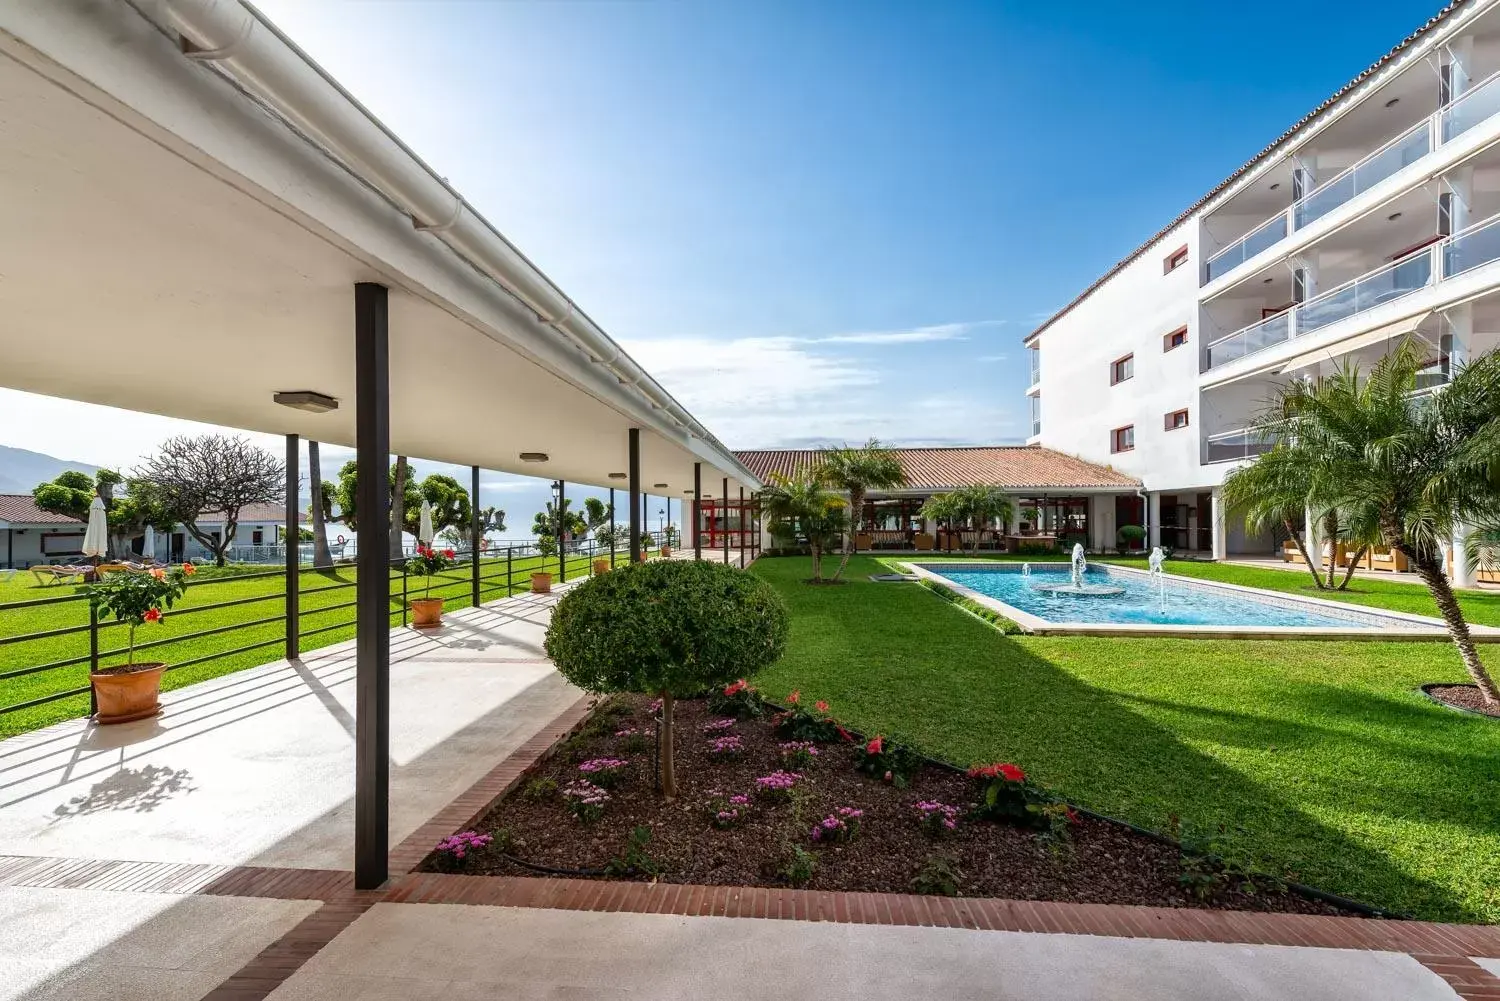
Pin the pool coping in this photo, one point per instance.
(1421, 628)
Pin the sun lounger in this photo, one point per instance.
(47, 575)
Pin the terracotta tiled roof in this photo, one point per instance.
(20, 509)
(1021, 466)
(253, 513)
(1306, 120)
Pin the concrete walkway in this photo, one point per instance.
(255, 769)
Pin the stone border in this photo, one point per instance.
(1445, 949)
(1423, 691)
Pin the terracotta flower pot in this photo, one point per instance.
(666, 552)
(426, 612)
(541, 582)
(601, 566)
(127, 692)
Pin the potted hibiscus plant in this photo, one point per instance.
(427, 611)
(130, 691)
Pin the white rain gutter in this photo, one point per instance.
(236, 37)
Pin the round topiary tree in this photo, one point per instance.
(671, 628)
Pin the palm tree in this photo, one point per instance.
(398, 507)
(546, 525)
(806, 502)
(320, 505)
(983, 504)
(1275, 490)
(858, 470)
(1408, 469)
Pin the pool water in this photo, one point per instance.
(1185, 604)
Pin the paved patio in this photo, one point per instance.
(206, 854)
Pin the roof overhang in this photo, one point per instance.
(161, 217)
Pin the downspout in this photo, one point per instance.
(1145, 497)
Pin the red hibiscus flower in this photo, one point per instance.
(152, 615)
(189, 569)
(821, 706)
(844, 735)
(1011, 773)
(736, 688)
(448, 554)
(795, 697)
(874, 746)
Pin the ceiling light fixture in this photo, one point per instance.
(1266, 281)
(617, 476)
(1393, 217)
(1393, 102)
(658, 486)
(1276, 185)
(308, 400)
(534, 456)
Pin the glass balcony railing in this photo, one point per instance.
(1393, 281)
(1271, 232)
(1405, 149)
(1256, 337)
(1472, 107)
(1036, 366)
(1471, 248)
(1240, 444)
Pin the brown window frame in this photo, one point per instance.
(1117, 363)
(1166, 339)
(1175, 260)
(1167, 424)
(1114, 439)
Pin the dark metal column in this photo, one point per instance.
(697, 510)
(635, 495)
(562, 533)
(742, 528)
(372, 686)
(474, 540)
(725, 495)
(614, 531)
(293, 539)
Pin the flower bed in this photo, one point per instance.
(855, 815)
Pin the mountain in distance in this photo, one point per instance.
(21, 470)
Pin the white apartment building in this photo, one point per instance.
(1375, 217)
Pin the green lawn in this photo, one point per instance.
(1316, 758)
(324, 604)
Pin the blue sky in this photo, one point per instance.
(820, 222)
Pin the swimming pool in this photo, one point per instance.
(1171, 605)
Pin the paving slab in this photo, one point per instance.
(490, 952)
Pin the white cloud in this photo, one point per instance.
(917, 335)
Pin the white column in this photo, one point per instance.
(1220, 526)
(1462, 576)
(1153, 520)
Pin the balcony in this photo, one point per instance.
(1242, 443)
(1454, 256)
(1479, 104)
(1036, 367)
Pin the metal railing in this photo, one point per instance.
(1242, 443)
(502, 572)
(1475, 106)
(1248, 340)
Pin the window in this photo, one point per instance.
(1036, 415)
(1176, 419)
(1175, 339)
(1122, 439)
(1121, 369)
(1175, 260)
(1036, 365)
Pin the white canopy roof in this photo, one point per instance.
(168, 213)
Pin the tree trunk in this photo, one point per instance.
(1331, 533)
(398, 508)
(1312, 564)
(856, 514)
(1349, 571)
(1431, 572)
(817, 558)
(321, 556)
(668, 772)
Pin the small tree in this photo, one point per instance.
(672, 628)
(806, 502)
(982, 504)
(858, 470)
(138, 598)
(346, 493)
(213, 476)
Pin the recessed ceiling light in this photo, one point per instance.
(1393, 217)
(687, 491)
(306, 399)
(658, 486)
(1393, 102)
(1276, 185)
(617, 476)
(534, 456)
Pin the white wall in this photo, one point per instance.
(1130, 313)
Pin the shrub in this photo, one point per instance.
(585, 800)
(738, 699)
(888, 761)
(840, 825)
(989, 615)
(634, 859)
(1005, 793)
(540, 789)
(632, 740)
(799, 866)
(936, 819)
(1129, 537)
(938, 876)
(138, 598)
(672, 628)
(726, 747)
(427, 563)
(796, 723)
(724, 811)
(797, 754)
(454, 852)
(777, 786)
(605, 772)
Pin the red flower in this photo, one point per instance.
(844, 735)
(1011, 773)
(1073, 816)
(795, 697)
(736, 688)
(821, 706)
(189, 569)
(448, 554)
(874, 746)
(152, 615)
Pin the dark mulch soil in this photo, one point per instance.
(1464, 697)
(1100, 862)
